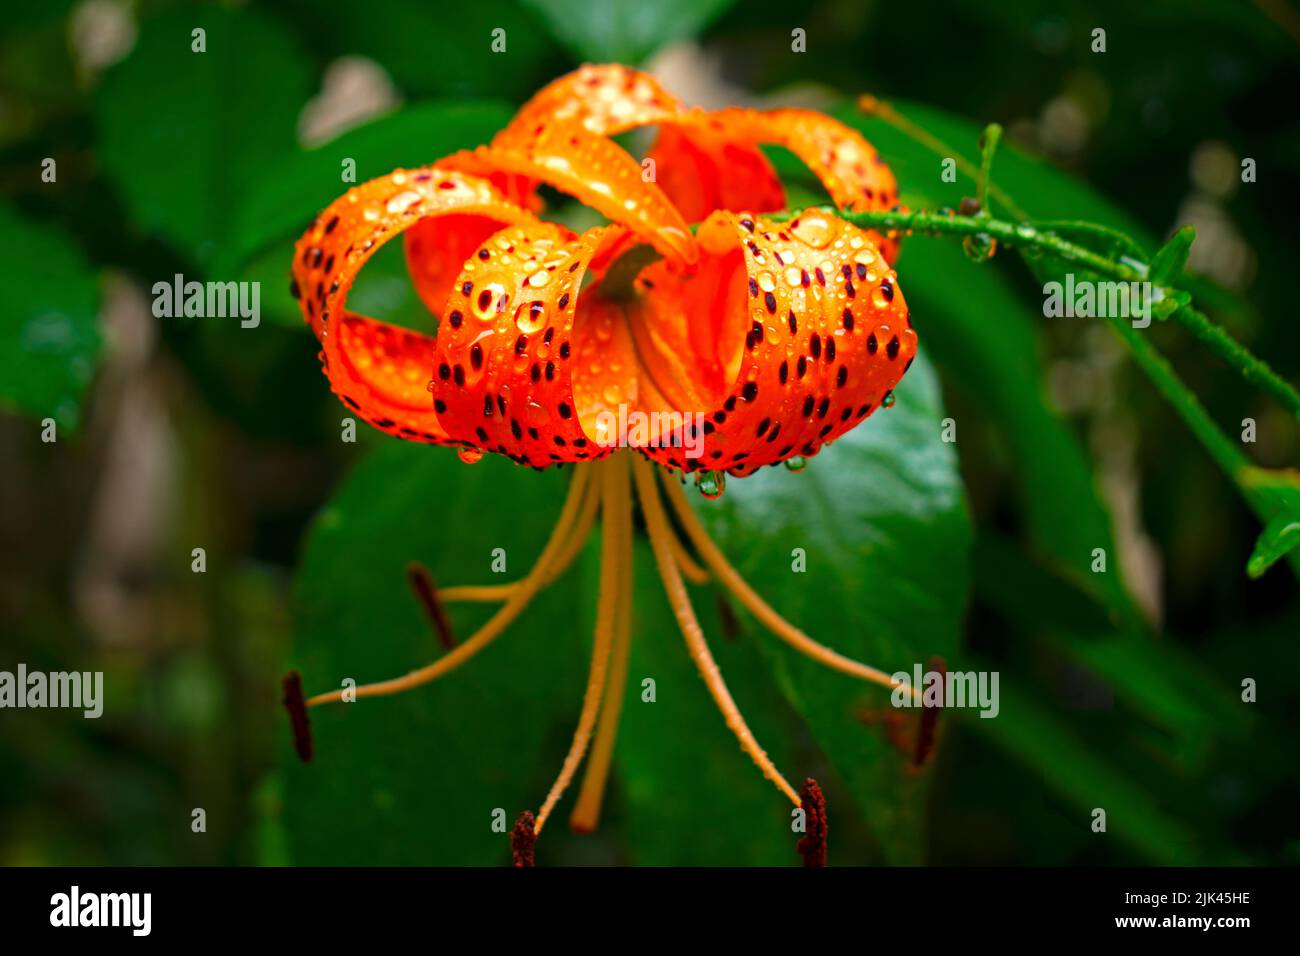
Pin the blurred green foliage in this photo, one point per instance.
(1120, 690)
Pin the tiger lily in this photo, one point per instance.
(772, 337)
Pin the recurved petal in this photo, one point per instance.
(599, 173)
(606, 99)
(702, 170)
(379, 370)
(506, 352)
(847, 165)
(784, 337)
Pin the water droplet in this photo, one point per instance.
(486, 300)
(888, 400)
(980, 247)
(530, 316)
(794, 276)
(765, 281)
(470, 456)
(796, 464)
(1026, 232)
(813, 229)
(403, 201)
(711, 484)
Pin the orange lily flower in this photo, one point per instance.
(755, 340)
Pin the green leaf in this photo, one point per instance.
(1168, 262)
(49, 334)
(882, 520)
(1000, 365)
(297, 185)
(688, 796)
(415, 778)
(1274, 495)
(601, 32)
(186, 135)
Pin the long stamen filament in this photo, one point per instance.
(489, 593)
(519, 600)
(660, 532)
(617, 511)
(591, 795)
(690, 568)
(729, 576)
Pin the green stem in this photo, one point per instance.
(988, 146)
(1033, 236)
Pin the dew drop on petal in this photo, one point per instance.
(711, 484)
(814, 230)
(796, 464)
(470, 456)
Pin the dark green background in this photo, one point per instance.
(979, 550)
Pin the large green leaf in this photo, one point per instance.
(49, 338)
(414, 779)
(689, 795)
(882, 520)
(987, 337)
(625, 32)
(185, 135)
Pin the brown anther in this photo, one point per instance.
(426, 590)
(812, 845)
(925, 733)
(523, 839)
(969, 206)
(296, 705)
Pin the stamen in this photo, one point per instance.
(489, 593)
(617, 511)
(812, 846)
(925, 733)
(586, 809)
(523, 841)
(422, 583)
(297, 708)
(747, 596)
(680, 601)
(690, 568)
(519, 600)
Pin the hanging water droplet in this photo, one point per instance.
(888, 400)
(470, 456)
(980, 247)
(796, 464)
(711, 484)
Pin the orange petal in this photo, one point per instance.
(504, 377)
(847, 165)
(380, 370)
(785, 337)
(598, 172)
(702, 170)
(605, 99)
